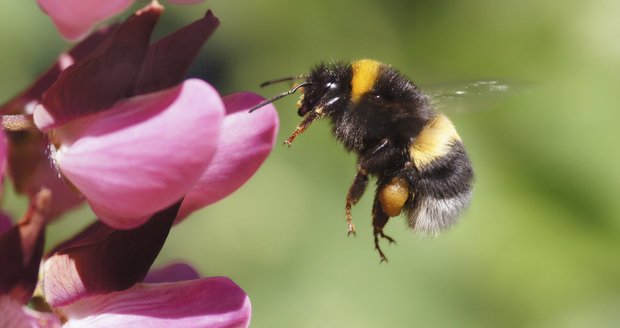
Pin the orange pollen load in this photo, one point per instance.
(393, 196)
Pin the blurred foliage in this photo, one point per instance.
(538, 248)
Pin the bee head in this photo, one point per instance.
(327, 90)
(325, 97)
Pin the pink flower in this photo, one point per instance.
(128, 162)
(75, 18)
(94, 281)
(144, 148)
(133, 138)
(175, 294)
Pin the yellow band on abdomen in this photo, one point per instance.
(434, 141)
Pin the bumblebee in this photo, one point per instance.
(415, 153)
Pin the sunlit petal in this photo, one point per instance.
(144, 154)
(210, 302)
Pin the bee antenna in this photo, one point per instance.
(282, 95)
(283, 79)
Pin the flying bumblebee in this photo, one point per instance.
(415, 153)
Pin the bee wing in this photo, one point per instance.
(461, 97)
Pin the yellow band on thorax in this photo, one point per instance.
(365, 73)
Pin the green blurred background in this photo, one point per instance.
(539, 245)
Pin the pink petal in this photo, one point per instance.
(106, 76)
(102, 260)
(143, 154)
(210, 302)
(172, 273)
(245, 142)
(15, 315)
(75, 18)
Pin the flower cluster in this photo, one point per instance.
(115, 124)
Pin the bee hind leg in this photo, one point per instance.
(379, 220)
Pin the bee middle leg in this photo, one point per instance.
(361, 180)
(355, 193)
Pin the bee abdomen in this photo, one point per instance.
(433, 215)
(443, 188)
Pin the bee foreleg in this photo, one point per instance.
(304, 124)
(355, 193)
